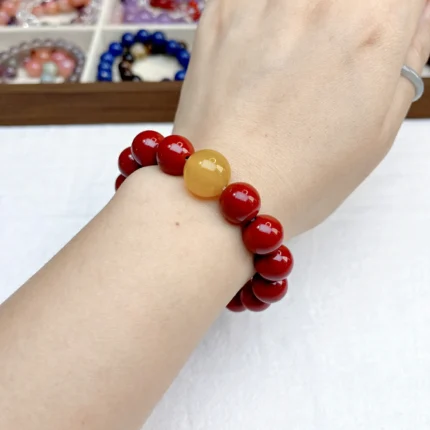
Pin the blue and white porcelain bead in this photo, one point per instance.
(104, 76)
(116, 49)
(107, 57)
(158, 38)
(183, 57)
(127, 40)
(180, 76)
(142, 36)
(172, 47)
(105, 66)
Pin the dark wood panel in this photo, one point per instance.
(421, 109)
(98, 103)
(88, 103)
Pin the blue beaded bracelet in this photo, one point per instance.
(133, 47)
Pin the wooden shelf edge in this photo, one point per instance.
(93, 103)
(99, 103)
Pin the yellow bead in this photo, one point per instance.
(207, 173)
(139, 51)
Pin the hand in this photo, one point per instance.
(304, 97)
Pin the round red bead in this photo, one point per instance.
(236, 304)
(172, 154)
(263, 235)
(269, 291)
(126, 163)
(163, 4)
(119, 180)
(144, 147)
(274, 266)
(240, 202)
(249, 300)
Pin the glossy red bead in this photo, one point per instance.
(164, 4)
(172, 154)
(274, 266)
(119, 180)
(240, 202)
(126, 163)
(269, 291)
(249, 300)
(236, 304)
(144, 147)
(263, 235)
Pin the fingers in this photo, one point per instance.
(413, 10)
(416, 58)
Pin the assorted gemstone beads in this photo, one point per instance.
(159, 11)
(48, 60)
(48, 64)
(136, 47)
(207, 175)
(53, 12)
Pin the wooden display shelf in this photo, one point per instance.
(94, 103)
(97, 103)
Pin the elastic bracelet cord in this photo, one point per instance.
(207, 175)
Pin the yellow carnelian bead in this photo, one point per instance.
(207, 173)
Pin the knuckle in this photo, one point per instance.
(374, 32)
(318, 10)
(378, 28)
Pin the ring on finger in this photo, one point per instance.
(415, 79)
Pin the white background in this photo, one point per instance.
(349, 349)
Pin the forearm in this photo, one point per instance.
(94, 339)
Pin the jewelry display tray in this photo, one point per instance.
(24, 102)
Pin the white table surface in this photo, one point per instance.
(349, 349)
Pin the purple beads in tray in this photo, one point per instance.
(140, 11)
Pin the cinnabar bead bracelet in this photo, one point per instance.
(274, 266)
(240, 202)
(144, 147)
(263, 235)
(172, 153)
(207, 175)
(268, 291)
(126, 162)
(250, 300)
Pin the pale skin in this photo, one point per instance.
(94, 339)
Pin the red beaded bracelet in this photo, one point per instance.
(207, 175)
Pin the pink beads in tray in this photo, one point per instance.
(8, 9)
(47, 64)
(55, 7)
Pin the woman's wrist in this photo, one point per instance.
(130, 297)
(207, 175)
(210, 247)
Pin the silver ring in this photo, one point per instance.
(415, 79)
